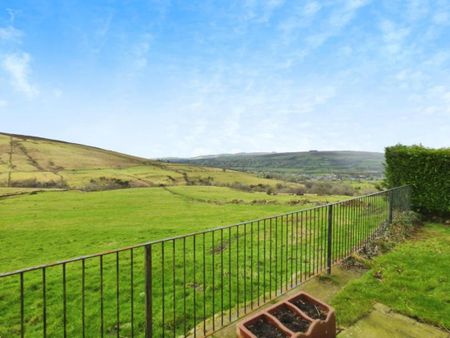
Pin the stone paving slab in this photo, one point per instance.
(322, 287)
(383, 322)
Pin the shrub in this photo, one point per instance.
(426, 170)
(34, 183)
(106, 183)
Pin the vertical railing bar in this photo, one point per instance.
(323, 238)
(221, 277)
(148, 292)
(296, 248)
(184, 288)
(194, 286)
(349, 229)
(367, 227)
(132, 291)
(229, 274)
(83, 296)
(270, 259)
(44, 302)
(204, 282)
(258, 263)
(251, 265)
(310, 244)
(316, 243)
(174, 287)
(281, 253)
(292, 251)
(287, 253)
(213, 280)
(342, 230)
(64, 301)
(237, 272)
(163, 303)
(102, 318)
(117, 294)
(363, 222)
(245, 267)
(276, 257)
(301, 247)
(264, 260)
(330, 236)
(22, 307)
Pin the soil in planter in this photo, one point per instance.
(290, 319)
(262, 328)
(312, 310)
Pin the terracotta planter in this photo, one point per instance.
(299, 316)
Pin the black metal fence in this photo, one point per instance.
(189, 285)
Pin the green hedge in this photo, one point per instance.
(426, 170)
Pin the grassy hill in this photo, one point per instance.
(33, 162)
(344, 163)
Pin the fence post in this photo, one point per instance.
(390, 198)
(330, 235)
(148, 291)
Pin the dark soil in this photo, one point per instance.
(290, 319)
(312, 310)
(262, 328)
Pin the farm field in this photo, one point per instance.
(50, 226)
(61, 224)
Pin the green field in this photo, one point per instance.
(49, 226)
(63, 224)
(413, 279)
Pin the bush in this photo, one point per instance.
(34, 183)
(106, 183)
(426, 170)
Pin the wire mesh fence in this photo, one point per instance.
(189, 285)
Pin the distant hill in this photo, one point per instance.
(346, 163)
(35, 162)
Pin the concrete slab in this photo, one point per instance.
(323, 287)
(383, 322)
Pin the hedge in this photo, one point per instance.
(426, 170)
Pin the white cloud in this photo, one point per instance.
(18, 68)
(10, 34)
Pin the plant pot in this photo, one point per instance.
(322, 315)
(300, 316)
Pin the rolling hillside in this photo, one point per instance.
(345, 163)
(33, 162)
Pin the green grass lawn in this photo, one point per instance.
(413, 279)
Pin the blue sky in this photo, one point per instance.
(184, 78)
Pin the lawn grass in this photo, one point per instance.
(413, 279)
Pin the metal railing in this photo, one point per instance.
(189, 285)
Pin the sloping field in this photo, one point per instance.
(32, 162)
